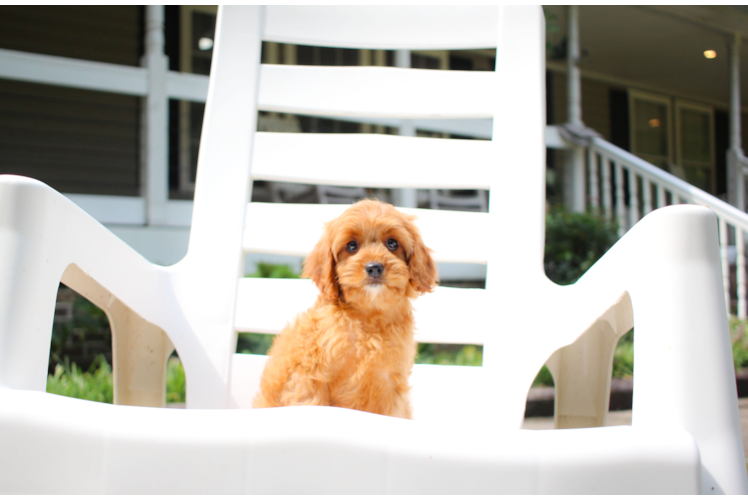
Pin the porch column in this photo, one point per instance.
(574, 181)
(154, 171)
(735, 158)
(405, 197)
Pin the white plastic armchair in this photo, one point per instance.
(663, 277)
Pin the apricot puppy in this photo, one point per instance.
(354, 347)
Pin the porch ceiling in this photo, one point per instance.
(661, 47)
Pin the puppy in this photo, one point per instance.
(354, 347)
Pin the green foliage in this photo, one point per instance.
(543, 378)
(97, 384)
(176, 382)
(623, 357)
(449, 354)
(92, 385)
(88, 323)
(739, 337)
(574, 242)
(254, 343)
(265, 270)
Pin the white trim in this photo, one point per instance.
(187, 86)
(130, 210)
(67, 72)
(111, 209)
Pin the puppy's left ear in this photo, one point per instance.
(423, 273)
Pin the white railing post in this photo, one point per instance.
(723, 243)
(735, 176)
(647, 188)
(620, 213)
(406, 197)
(740, 244)
(633, 198)
(594, 187)
(607, 186)
(154, 177)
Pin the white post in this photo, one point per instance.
(154, 177)
(735, 178)
(405, 197)
(575, 183)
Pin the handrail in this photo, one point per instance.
(682, 188)
(603, 156)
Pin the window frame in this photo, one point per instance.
(681, 104)
(655, 98)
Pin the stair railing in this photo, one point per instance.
(625, 188)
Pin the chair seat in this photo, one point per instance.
(303, 449)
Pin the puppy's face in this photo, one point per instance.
(370, 256)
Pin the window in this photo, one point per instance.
(694, 144)
(650, 128)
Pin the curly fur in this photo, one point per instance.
(354, 347)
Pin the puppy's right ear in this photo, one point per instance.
(320, 267)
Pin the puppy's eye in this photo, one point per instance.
(352, 246)
(392, 244)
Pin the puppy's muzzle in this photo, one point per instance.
(374, 269)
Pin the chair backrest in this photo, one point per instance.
(509, 238)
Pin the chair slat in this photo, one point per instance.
(360, 91)
(384, 27)
(266, 305)
(294, 229)
(373, 160)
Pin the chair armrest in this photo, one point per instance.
(42, 233)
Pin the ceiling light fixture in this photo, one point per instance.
(205, 43)
(710, 54)
(654, 123)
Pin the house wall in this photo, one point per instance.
(595, 103)
(77, 141)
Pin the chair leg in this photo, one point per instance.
(582, 371)
(140, 349)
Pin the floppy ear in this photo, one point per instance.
(320, 267)
(423, 273)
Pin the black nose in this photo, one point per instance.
(374, 269)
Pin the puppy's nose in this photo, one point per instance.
(374, 269)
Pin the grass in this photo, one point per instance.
(96, 384)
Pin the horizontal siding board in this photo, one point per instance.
(96, 33)
(76, 141)
(446, 233)
(266, 305)
(369, 91)
(373, 160)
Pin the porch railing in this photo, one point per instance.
(626, 188)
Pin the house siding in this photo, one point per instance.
(77, 141)
(595, 103)
(111, 34)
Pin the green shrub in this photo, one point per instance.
(176, 382)
(739, 337)
(87, 331)
(254, 343)
(265, 270)
(574, 242)
(449, 354)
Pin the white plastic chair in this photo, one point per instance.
(663, 277)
